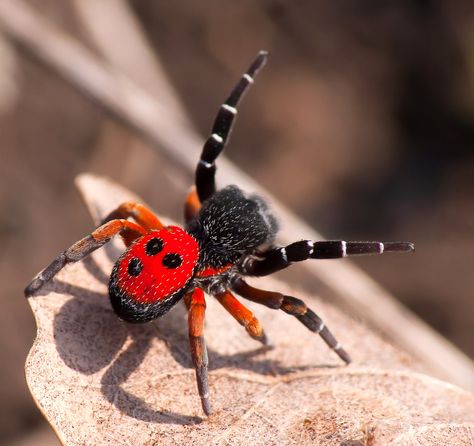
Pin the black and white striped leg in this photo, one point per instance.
(280, 258)
(294, 307)
(206, 168)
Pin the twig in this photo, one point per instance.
(181, 144)
(117, 34)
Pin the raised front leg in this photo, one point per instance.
(206, 168)
(279, 258)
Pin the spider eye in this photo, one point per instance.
(154, 246)
(172, 260)
(135, 267)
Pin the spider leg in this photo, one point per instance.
(191, 205)
(83, 247)
(276, 259)
(141, 214)
(221, 129)
(197, 307)
(295, 307)
(243, 316)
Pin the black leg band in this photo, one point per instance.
(280, 258)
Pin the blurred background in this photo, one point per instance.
(362, 123)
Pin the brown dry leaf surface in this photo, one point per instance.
(101, 381)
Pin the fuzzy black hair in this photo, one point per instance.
(231, 224)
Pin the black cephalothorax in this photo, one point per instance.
(231, 224)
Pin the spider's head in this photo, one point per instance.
(230, 225)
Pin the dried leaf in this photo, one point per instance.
(101, 381)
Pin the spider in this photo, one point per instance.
(228, 234)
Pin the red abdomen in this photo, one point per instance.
(153, 274)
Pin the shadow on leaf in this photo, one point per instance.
(90, 337)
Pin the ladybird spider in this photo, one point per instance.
(228, 235)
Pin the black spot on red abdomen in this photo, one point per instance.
(172, 260)
(154, 246)
(134, 267)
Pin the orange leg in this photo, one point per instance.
(192, 205)
(243, 316)
(197, 308)
(295, 307)
(85, 246)
(141, 214)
